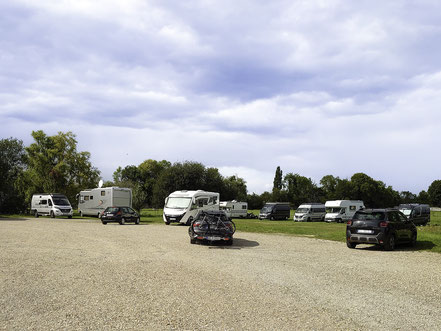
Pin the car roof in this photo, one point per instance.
(376, 210)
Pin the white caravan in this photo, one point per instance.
(234, 209)
(311, 211)
(94, 201)
(51, 204)
(342, 210)
(183, 206)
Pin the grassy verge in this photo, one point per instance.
(429, 237)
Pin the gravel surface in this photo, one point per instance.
(80, 274)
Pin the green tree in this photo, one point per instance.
(55, 165)
(434, 192)
(300, 189)
(12, 164)
(277, 184)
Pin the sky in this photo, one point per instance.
(317, 87)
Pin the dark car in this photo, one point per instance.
(418, 214)
(384, 227)
(210, 226)
(120, 215)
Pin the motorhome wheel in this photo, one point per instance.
(36, 214)
(81, 214)
(52, 214)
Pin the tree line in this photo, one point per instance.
(53, 164)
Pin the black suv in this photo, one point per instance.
(384, 227)
(120, 215)
(210, 226)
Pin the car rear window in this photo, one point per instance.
(369, 216)
(112, 209)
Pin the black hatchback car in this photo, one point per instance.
(210, 226)
(120, 215)
(384, 227)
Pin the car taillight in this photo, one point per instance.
(118, 213)
(196, 224)
(384, 224)
(349, 222)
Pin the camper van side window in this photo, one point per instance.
(91, 197)
(352, 207)
(50, 203)
(244, 206)
(86, 198)
(103, 193)
(43, 202)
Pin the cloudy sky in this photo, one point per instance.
(316, 87)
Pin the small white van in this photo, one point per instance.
(311, 211)
(51, 204)
(234, 209)
(183, 206)
(342, 210)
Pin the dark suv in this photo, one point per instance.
(210, 226)
(384, 227)
(120, 215)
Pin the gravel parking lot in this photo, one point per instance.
(80, 274)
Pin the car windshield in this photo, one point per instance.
(369, 216)
(333, 209)
(406, 211)
(61, 202)
(302, 210)
(178, 202)
(111, 209)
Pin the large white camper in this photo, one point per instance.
(51, 204)
(93, 202)
(342, 210)
(234, 209)
(182, 206)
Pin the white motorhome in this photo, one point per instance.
(311, 211)
(234, 209)
(182, 206)
(342, 210)
(51, 204)
(94, 201)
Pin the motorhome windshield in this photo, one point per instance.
(302, 210)
(267, 209)
(333, 210)
(61, 202)
(406, 211)
(178, 202)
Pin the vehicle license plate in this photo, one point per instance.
(366, 231)
(213, 238)
(172, 219)
(109, 214)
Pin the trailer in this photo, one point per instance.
(234, 209)
(94, 201)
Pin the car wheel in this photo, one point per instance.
(229, 242)
(52, 214)
(104, 222)
(389, 245)
(351, 245)
(137, 220)
(413, 240)
(122, 221)
(308, 219)
(36, 214)
(192, 241)
(69, 216)
(272, 218)
(167, 223)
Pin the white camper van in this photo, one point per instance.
(342, 210)
(51, 204)
(311, 211)
(182, 206)
(93, 202)
(234, 209)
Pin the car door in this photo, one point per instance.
(407, 226)
(133, 214)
